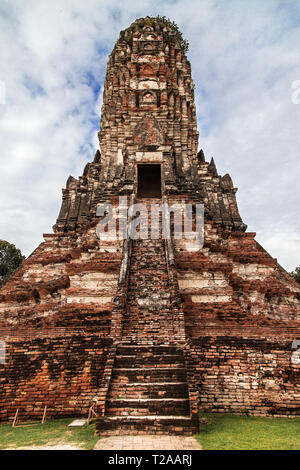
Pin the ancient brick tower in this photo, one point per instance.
(150, 330)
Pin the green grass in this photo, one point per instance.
(230, 432)
(218, 432)
(53, 432)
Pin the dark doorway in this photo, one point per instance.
(149, 180)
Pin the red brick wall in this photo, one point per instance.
(63, 373)
(240, 375)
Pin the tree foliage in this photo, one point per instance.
(163, 23)
(296, 274)
(177, 37)
(10, 259)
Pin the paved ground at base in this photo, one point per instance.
(148, 443)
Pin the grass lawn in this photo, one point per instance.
(230, 432)
(53, 432)
(220, 432)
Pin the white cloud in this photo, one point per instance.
(244, 57)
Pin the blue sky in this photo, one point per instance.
(244, 56)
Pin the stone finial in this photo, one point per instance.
(71, 181)
(227, 181)
(97, 158)
(212, 167)
(201, 157)
(86, 169)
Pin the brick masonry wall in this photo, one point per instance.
(240, 375)
(241, 317)
(70, 279)
(64, 373)
(232, 282)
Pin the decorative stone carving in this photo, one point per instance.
(148, 132)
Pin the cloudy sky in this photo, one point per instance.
(245, 56)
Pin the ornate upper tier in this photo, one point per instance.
(148, 100)
(149, 117)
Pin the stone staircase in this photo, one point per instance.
(149, 314)
(150, 306)
(148, 392)
(147, 389)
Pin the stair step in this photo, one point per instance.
(132, 407)
(146, 425)
(147, 400)
(160, 367)
(136, 336)
(153, 418)
(149, 391)
(112, 411)
(146, 375)
(153, 384)
(143, 361)
(154, 350)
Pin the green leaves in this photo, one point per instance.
(296, 274)
(10, 259)
(166, 22)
